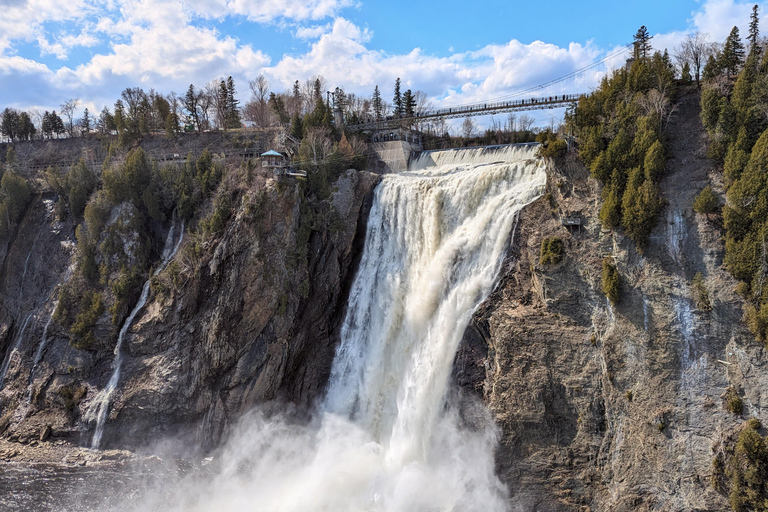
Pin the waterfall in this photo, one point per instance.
(99, 407)
(26, 260)
(386, 436)
(14, 349)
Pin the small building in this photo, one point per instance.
(572, 221)
(273, 160)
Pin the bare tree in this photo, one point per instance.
(525, 123)
(316, 145)
(205, 103)
(257, 109)
(216, 104)
(423, 105)
(308, 91)
(68, 109)
(37, 120)
(695, 50)
(511, 125)
(467, 127)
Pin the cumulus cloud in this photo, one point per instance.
(168, 44)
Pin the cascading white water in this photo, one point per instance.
(385, 437)
(14, 349)
(434, 245)
(99, 407)
(26, 260)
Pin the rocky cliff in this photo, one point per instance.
(616, 407)
(600, 406)
(248, 316)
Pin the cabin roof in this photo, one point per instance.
(271, 152)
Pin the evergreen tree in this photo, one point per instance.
(712, 68)
(26, 128)
(378, 106)
(642, 43)
(46, 125)
(120, 120)
(277, 105)
(57, 124)
(192, 105)
(706, 202)
(106, 122)
(233, 113)
(222, 105)
(9, 125)
(732, 56)
(86, 122)
(297, 130)
(296, 98)
(754, 30)
(409, 104)
(397, 100)
(685, 75)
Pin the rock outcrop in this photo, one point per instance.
(615, 407)
(249, 316)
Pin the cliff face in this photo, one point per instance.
(600, 407)
(246, 317)
(605, 407)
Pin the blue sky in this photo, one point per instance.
(52, 51)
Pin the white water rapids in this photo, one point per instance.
(386, 437)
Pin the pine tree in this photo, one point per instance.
(9, 125)
(409, 104)
(46, 125)
(296, 98)
(732, 57)
(378, 107)
(119, 116)
(397, 100)
(86, 121)
(642, 43)
(685, 74)
(712, 68)
(754, 30)
(233, 113)
(222, 105)
(191, 104)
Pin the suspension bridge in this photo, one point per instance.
(556, 93)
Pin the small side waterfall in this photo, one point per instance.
(26, 260)
(99, 407)
(15, 348)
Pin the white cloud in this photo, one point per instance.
(168, 44)
(718, 17)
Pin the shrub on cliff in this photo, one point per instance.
(14, 196)
(91, 308)
(706, 202)
(611, 282)
(551, 252)
(700, 293)
(740, 469)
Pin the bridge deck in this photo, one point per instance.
(478, 109)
